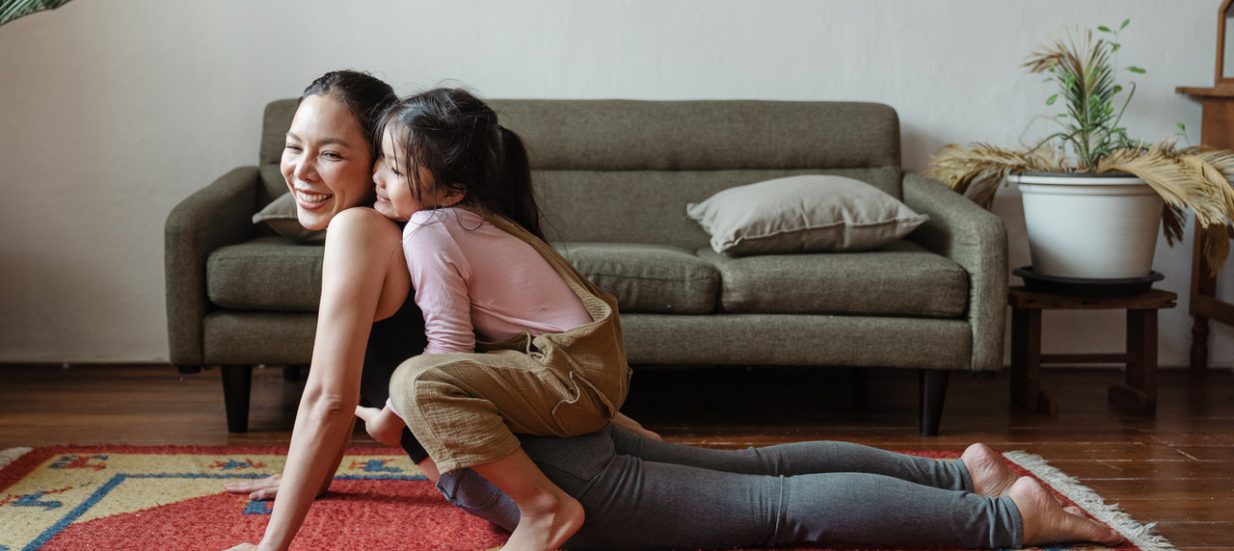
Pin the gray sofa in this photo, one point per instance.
(614, 178)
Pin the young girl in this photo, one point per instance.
(551, 361)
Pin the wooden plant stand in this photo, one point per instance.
(1139, 391)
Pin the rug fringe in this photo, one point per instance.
(1137, 533)
(10, 455)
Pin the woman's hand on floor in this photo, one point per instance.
(263, 489)
(259, 489)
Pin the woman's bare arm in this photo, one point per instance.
(360, 247)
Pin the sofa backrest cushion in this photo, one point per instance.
(624, 170)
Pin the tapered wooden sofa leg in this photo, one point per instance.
(933, 393)
(237, 387)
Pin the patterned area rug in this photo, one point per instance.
(118, 497)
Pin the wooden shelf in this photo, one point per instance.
(1219, 91)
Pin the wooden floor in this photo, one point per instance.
(1176, 469)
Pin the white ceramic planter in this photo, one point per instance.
(1090, 227)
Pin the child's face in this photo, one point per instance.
(326, 161)
(395, 199)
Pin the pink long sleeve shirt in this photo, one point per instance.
(474, 280)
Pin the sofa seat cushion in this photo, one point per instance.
(267, 273)
(647, 278)
(901, 279)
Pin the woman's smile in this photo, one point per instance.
(310, 200)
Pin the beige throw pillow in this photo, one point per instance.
(802, 214)
(280, 215)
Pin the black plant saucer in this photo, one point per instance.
(1088, 287)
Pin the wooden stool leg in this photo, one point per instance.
(1026, 363)
(1139, 392)
(1199, 345)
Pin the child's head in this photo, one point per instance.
(445, 147)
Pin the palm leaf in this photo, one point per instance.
(976, 171)
(1185, 181)
(1219, 169)
(13, 9)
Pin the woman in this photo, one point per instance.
(637, 492)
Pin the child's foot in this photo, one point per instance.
(1045, 521)
(991, 476)
(547, 525)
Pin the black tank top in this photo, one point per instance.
(392, 341)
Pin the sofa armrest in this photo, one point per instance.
(976, 240)
(217, 215)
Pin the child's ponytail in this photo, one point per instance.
(521, 200)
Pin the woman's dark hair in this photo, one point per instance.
(455, 137)
(365, 95)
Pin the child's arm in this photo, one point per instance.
(440, 273)
(384, 425)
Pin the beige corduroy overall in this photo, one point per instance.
(464, 408)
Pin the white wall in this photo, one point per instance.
(112, 111)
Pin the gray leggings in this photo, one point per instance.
(645, 494)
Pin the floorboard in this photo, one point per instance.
(1175, 468)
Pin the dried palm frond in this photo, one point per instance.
(1221, 162)
(1057, 53)
(1164, 176)
(976, 171)
(1185, 180)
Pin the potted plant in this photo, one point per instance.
(1094, 197)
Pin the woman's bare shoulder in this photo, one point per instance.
(361, 223)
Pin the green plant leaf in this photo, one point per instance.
(1104, 29)
(1181, 127)
(1051, 99)
(1136, 70)
(10, 10)
(1124, 25)
(1114, 46)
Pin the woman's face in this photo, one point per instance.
(327, 162)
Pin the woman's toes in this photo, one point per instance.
(1045, 521)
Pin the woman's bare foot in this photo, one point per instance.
(546, 524)
(991, 476)
(1045, 521)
